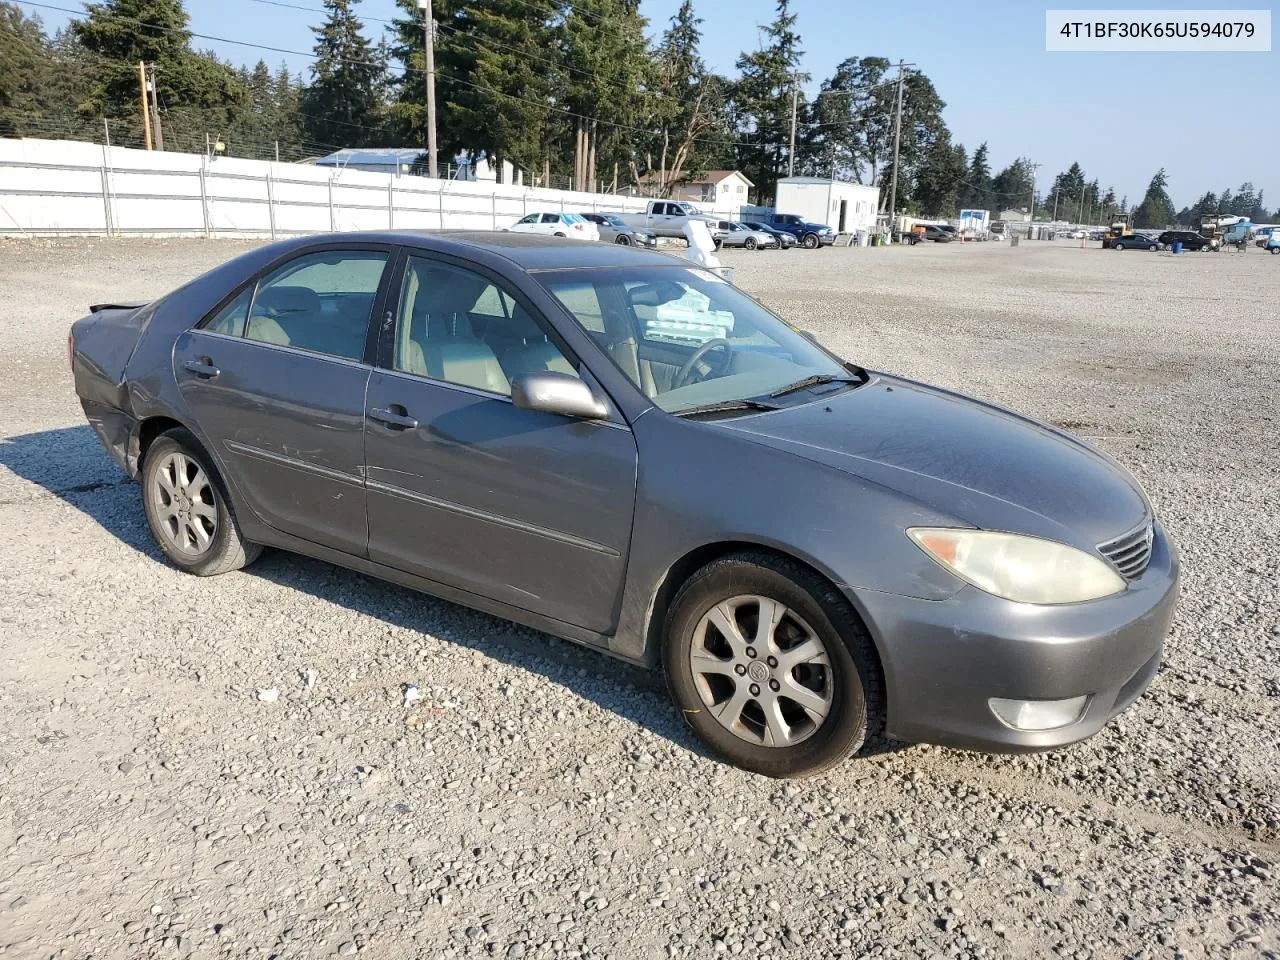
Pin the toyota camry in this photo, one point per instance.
(618, 447)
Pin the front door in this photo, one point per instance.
(464, 488)
(276, 379)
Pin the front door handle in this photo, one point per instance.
(203, 368)
(393, 419)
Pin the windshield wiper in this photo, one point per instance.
(814, 381)
(726, 405)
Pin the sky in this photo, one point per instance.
(1210, 119)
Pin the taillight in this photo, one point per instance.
(577, 226)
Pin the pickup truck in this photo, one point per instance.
(809, 235)
(667, 218)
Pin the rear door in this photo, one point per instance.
(465, 488)
(275, 380)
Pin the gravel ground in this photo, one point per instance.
(542, 801)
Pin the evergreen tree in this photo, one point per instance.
(1011, 187)
(1156, 209)
(686, 110)
(494, 79)
(846, 122)
(762, 102)
(940, 177)
(976, 191)
(26, 77)
(286, 97)
(343, 105)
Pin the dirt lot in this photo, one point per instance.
(541, 801)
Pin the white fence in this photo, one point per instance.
(58, 187)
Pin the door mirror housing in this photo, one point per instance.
(558, 393)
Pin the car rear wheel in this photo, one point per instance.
(750, 243)
(562, 236)
(811, 241)
(771, 667)
(187, 508)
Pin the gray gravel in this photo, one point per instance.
(536, 800)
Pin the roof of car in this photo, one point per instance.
(527, 250)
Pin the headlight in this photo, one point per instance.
(1022, 569)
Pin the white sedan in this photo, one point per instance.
(557, 225)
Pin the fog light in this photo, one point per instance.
(1038, 714)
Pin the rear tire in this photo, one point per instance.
(836, 676)
(188, 510)
(562, 236)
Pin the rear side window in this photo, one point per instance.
(230, 319)
(320, 302)
(550, 218)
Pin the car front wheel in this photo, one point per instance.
(624, 240)
(811, 241)
(750, 243)
(187, 508)
(771, 667)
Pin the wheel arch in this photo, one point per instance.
(679, 572)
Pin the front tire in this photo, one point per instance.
(750, 243)
(771, 667)
(1154, 247)
(623, 240)
(810, 241)
(187, 508)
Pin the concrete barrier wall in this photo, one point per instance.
(59, 187)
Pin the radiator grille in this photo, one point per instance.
(1130, 553)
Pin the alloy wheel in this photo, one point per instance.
(185, 504)
(761, 671)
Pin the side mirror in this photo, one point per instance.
(558, 393)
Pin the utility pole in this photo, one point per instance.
(1057, 190)
(429, 31)
(1031, 214)
(146, 103)
(155, 106)
(791, 156)
(897, 141)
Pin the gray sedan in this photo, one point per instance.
(619, 448)
(730, 233)
(613, 229)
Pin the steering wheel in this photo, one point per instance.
(685, 376)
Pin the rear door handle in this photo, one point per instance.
(201, 368)
(398, 421)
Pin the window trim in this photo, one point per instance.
(373, 325)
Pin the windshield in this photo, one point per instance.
(688, 340)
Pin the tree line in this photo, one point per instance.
(567, 92)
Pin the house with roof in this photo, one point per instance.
(718, 191)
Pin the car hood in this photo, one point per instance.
(979, 463)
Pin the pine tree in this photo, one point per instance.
(940, 177)
(1156, 209)
(495, 71)
(343, 105)
(762, 101)
(686, 111)
(976, 194)
(25, 78)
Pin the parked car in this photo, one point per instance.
(613, 229)
(1273, 242)
(1136, 241)
(938, 234)
(570, 225)
(785, 240)
(730, 233)
(666, 218)
(591, 440)
(1096, 235)
(1189, 239)
(810, 235)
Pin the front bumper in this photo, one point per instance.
(943, 660)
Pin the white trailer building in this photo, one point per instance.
(844, 207)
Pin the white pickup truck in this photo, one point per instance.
(667, 218)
